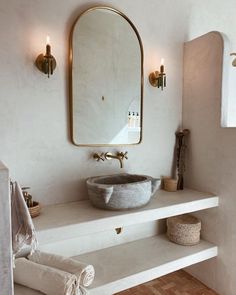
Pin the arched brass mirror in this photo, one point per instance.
(106, 59)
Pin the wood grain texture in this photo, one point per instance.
(176, 283)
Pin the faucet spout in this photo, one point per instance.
(121, 162)
(118, 156)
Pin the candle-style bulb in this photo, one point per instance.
(48, 46)
(48, 40)
(162, 70)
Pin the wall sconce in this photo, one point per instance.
(158, 78)
(46, 63)
(234, 61)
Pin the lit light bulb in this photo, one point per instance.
(48, 40)
(162, 69)
(48, 46)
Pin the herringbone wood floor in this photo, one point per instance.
(177, 283)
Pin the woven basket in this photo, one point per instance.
(35, 210)
(184, 229)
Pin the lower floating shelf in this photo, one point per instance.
(127, 265)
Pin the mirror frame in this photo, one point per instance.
(71, 76)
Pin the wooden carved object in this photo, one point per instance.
(181, 137)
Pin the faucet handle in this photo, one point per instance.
(123, 155)
(98, 157)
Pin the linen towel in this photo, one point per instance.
(42, 278)
(23, 232)
(82, 291)
(85, 273)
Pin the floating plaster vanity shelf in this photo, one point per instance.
(127, 265)
(66, 221)
(130, 264)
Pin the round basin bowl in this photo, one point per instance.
(121, 191)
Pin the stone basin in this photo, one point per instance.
(121, 191)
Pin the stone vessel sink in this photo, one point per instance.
(121, 191)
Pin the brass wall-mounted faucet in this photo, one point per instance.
(120, 156)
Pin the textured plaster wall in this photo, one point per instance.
(217, 15)
(34, 115)
(211, 164)
(5, 233)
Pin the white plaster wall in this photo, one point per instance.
(213, 15)
(215, 149)
(34, 117)
(217, 15)
(104, 239)
(6, 281)
(211, 162)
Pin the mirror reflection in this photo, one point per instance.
(106, 86)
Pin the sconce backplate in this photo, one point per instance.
(153, 78)
(42, 60)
